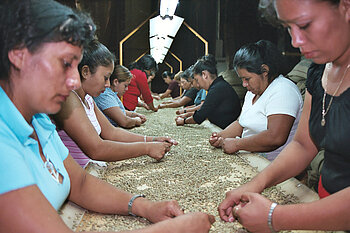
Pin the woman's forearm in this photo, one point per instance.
(262, 142)
(331, 213)
(232, 131)
(110, 151)
(293, 159)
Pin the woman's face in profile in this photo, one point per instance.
(96, 83)
(185, 84)
(167, 80)
(122, 87)
(317, 28)
(254, 83)
(48, 75)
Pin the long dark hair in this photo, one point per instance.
(95, 55)
(187, 74)
(253, 56)
(146, 62)
(30, 23)
(168, 74)
(121, 73)
(207, 63)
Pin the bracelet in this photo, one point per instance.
(153, 139)
(185, 120)
(269, 218)
(131, 202)
(145, 138)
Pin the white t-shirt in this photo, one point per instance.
(282, 96)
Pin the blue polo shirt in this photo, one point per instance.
(20, 163)
(201, 94)
(109, 99)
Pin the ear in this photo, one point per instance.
(265, 68)
(345, 7)
(85, 72)
(16, 57)
(205, 74)
(115, 82)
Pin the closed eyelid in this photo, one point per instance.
(304, 26)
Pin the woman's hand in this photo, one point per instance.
(144, 105)
(181, 111)
(179, 121)
(157, 150)
(253, 212)
(165, 139)
(192, 222)
(229, 145)
(215, 140)
(232, 199)
(143, 117)
(156, 97)
(138, 121)
(162, 210)
(154, 109)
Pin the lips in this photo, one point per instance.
(308, 54)
(62, 98)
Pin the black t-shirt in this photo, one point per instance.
(191, 93)
(334, 137)
(221, 106)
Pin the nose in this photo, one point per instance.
(107, 83)
(297, 37)
(73, 81)
(244, 83)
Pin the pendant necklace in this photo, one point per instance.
(325, 111)
(52, 170)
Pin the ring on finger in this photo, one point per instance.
(235, 209)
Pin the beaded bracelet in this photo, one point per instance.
(269, 218)
(145, 138)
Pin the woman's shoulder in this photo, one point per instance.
(282, 81)
(315, 71)
(283, 87)
(138, 73)
(72, 103)
(221, 85)
(314, 75)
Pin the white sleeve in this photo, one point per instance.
(288, 101)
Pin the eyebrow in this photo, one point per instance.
(300, 17)
(75, 57)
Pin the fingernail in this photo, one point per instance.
(231, 219)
